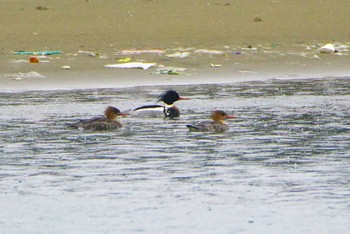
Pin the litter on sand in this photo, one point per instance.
(38, 53)
(205, 51)
(179, 55)
(33, 59)
(328, 48)
(215, 65)
(150, 51)
(124, 60)
(245, 71)
(144, 66)
(169, 71)
(88, 53)
(20, 75)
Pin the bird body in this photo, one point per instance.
(216, 125)
(104, 123)
(169, 110)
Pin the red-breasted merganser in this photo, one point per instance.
(168, 110)
(103, 123)
(217, 125)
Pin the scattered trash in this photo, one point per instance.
(179, 55)
(205, 51)
(257, 19)
(245, 71)
(150, 51)
(343, 48)
(65, 67)
(19, 61)
(20, 75)
(215, 65)
(88, 53)
(249, 48)
(38, 53)
(184, 49)
(33, 59)
(42, 8)
(124, 60)
(169, 71)
(144, 66)
(328, 48)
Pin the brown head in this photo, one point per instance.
(219, 116)
(112, 113)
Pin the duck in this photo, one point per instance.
(216, 125)
(104, 123)
(168, 110)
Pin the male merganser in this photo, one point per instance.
(217, 125)
(169, 110)
(103, 123)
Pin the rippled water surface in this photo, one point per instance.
(283, 167)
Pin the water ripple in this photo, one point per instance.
(289, 147)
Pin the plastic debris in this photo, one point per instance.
(38, 53)
(328, 48)
(20, 75)
(33, 59)
(88, 53)
(124, 60)
(144, 66)
(205, 51)
(246, 71)
(150, 51)
(179, 55)
(343, 48)
(65, 67)
(215, 65)
(18, 61)
(169, 71)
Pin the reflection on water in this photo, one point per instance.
(284, 162)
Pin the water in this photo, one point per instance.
(283, 167)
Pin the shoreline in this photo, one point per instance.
(283, 43)
(210, 66)
(39, 86)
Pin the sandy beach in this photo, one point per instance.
(224, 41)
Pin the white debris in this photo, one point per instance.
(179, 55)
(144, 66)
(205, 51)
(20, 75)
(328, 48)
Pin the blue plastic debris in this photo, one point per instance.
(38, 53)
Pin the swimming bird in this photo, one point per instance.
(217, 125)
(104, 123)
(168, 110)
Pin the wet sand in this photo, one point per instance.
(282, 44)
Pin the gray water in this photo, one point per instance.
(283, 167)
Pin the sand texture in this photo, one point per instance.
(276, 38)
